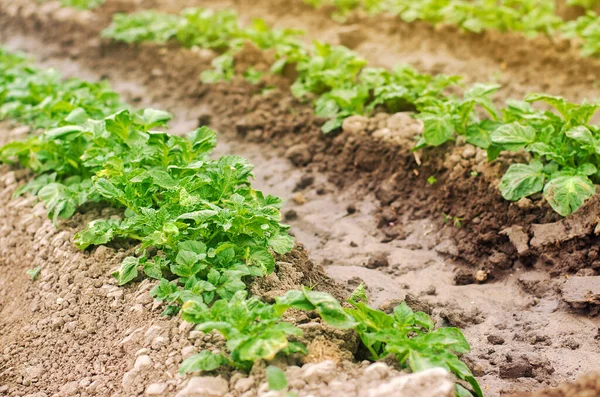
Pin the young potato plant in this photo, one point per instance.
(336, 77)
(201, 228)
(587, 4)
(43, 100)
(81, 4)
(253, 330)
(409, 336)
(210, 227)
(562, 143)
(527, 16)
(586, 30)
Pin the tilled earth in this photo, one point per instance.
(513, 277)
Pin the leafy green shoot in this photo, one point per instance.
(34, 273)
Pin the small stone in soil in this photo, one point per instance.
(464, 277)
(299, 155)
(378, 260)
(580, 292)
(431, 290)
(481, 276)
(350, 209)
(290, 215)
(355, 282)
(516, 369)
(304, 182)
(389, 215)
(299, 198)
(571, 344)
(204, 119)
(495, 339)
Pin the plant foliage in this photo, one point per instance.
(201, 229)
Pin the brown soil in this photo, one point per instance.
(352, 195)
(586, 386)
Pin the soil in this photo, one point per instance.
(358, 201)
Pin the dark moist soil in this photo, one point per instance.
(390, 170)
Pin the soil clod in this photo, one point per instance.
(378, 260)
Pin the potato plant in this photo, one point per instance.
(562, 143)
(200, 228)
(529, 17)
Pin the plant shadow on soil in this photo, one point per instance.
(363, 209)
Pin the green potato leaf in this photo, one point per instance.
(513, 136)
(438, 129)
(522, 180)
(276, 378)
(204, 361)
(567, 193)
(128, 270)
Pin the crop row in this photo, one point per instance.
(529, 17)
(200, 229)
(563, 145)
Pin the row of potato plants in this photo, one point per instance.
(563, 144)
(199, 227)
(529, 17)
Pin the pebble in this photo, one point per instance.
(142, 362)
(299, 155)
(469, 152)
(299, 198)
(378, 260)
(205, 386)
(321, 371)
(244, 384)
(516, 369)
(156, 389)
(159, 342)
(69, 389)
(355, 124)
(495, 339)
(377, 371)
(188, 351)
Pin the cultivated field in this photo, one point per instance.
(299, 198)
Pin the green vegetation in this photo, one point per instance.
(335, 76)
(564, 163)
(276, 378)
(81, 4)
(408, 335)
(34, 273)
(584, 3)
(199, 226)
(529, 17)
(563, 145)
(585, 29)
